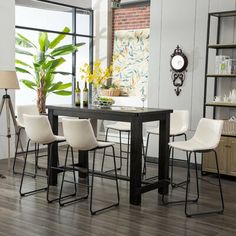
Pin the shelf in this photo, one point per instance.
(221, 75)
(222, 46)
(220, 104)
(223, 14)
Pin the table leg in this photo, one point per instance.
(83, 162)
(83, 155)
(164, 152)
(54, 149)
(136, 161)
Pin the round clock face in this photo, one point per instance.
(177, 62)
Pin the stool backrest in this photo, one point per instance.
(179, 120)
(25, 109)
(38, 129)
(79, 134)
(209, 132)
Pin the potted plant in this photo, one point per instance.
(45, 58)
(110, 90)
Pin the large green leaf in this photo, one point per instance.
(59, 38)
(43, 41)
(53, 64)
(19, 62)
(63, 93)
(64, 50)
(59, 86)
(20, 51)
(29, 84)
(40, 58)
(22, 70)
(24, 42)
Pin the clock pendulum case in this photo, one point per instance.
(178, 64)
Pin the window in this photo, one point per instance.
(42, 16)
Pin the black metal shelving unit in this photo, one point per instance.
(218, 16)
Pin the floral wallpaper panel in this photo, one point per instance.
(131, 56)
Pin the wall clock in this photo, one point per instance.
(178, 64)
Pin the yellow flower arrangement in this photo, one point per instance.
(98, 76)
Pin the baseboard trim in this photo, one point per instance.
(176, 162)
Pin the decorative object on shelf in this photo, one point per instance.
(232, 96)
(105, 102)
(224, 65)
(229, 127)
(8, 80)
(178, 64)
(46, 58)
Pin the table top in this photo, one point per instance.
(119, 112)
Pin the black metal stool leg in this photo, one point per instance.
(172, 164)
(145, 155)
(220, 211)
(17, 144)
(128, 147)
(220, 186)
(104, 151)
(36, 152)
(63, 203)
(92, 186)
(180, 184)
(188, 181)
(120, 151)
(23, 175)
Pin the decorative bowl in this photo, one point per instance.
(105, 102)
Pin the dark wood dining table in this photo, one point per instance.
(136, 116)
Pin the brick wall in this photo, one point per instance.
(131, 18)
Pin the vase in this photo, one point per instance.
(95, 95)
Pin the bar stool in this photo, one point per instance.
(205, 139)
(39, 131)
(179, 124)
(20, 110)
(80, 136)
(121, 127)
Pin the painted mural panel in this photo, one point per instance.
(131, 56)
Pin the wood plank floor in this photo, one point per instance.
(32, 215)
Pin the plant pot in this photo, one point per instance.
(110, 92)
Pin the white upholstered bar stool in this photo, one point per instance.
(80, 136)
(179, 124)
(121, 127)
(20, 111)
(205, 139)
(39, 131)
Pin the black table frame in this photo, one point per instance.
(136, 117)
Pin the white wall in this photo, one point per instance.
(182, 22)
(7, 61)
(102, 31)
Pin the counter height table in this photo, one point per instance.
(136, 116)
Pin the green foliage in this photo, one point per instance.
(46, 58)
(106, 86)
